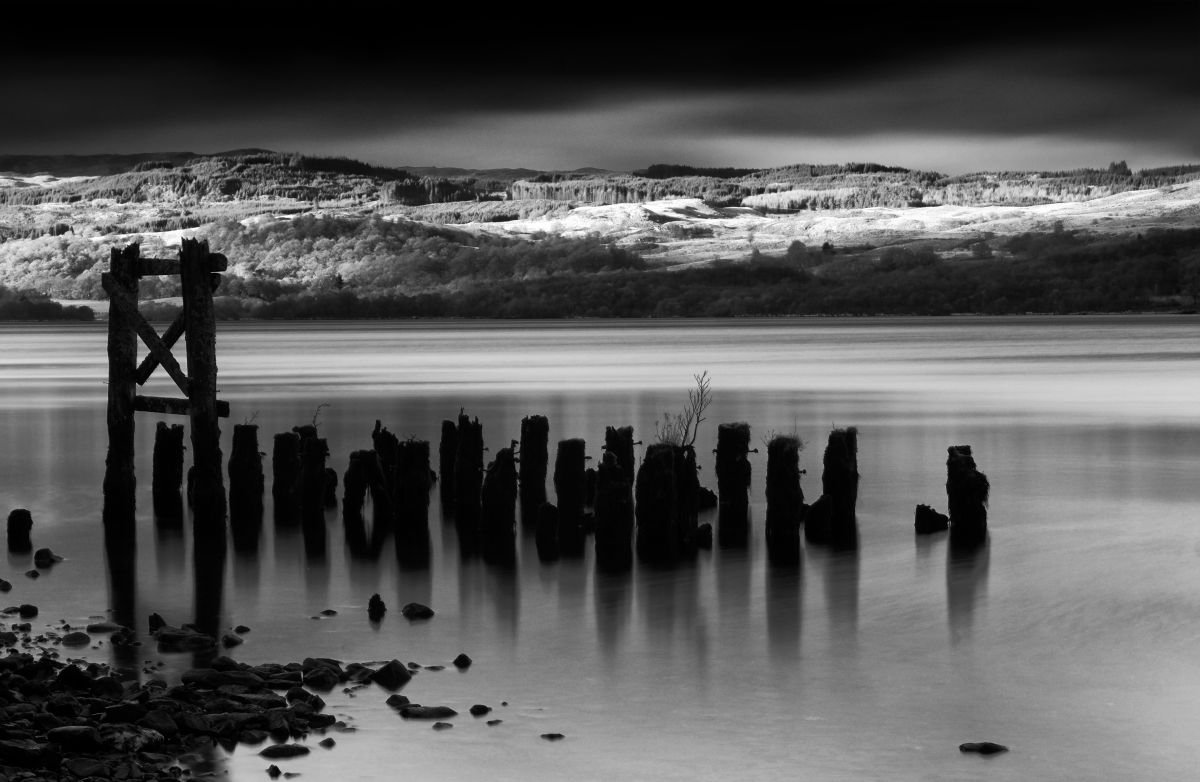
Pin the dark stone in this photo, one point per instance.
(391, 675)
(5, 586)
(442, 726)
(108, 687)
(156, 623)
(982, 747)
(416, 611)
(73, 678)
(75, 738)
(323, 679)
(328, 612)
(241, 629)
(27, 611)
(927, 521)
(229, 641)
(398, 701)
(21, 752)
(32, 574)
(284, 751)
(45, 558)
(273, 771)
(104, 627)
(478, 710)
(327, 743)
(76, 638)
(553, 736)
(493, 723)
(161, 721)
(211, 678)
(418, 712)
(462, 662)
(20, 524)
(707, 498)
(375, 608)
(183, 639)
(84, 768)
(301, 695)
(124, 712)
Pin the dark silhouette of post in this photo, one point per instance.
(120, 481)
(200, 323)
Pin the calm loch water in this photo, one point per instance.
(1072, 638)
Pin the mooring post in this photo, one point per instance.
(120, 481)
(197, 283)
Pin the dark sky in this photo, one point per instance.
(950, 87)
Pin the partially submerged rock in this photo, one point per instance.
(416, 611)
(982, 747)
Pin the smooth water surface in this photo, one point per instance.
(1072, 638)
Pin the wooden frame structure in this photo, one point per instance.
(198, 271)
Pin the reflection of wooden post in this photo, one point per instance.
(119, 478)
(201, 328)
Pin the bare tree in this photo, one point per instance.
(681, 428)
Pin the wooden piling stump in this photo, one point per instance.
(20, 524)
(733, 483)
(839, 484)
(285, 474)
(619, 442)
(656, 509)
(498, 521)
(246, 483)
(785, 500)
(614, 515)
(167, 475)
(967, 490)
(535, 457)
(570, 488)
(468, 482)
(413, 483)
(447, 455)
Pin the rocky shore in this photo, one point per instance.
(67, 719)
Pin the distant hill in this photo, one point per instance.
(101, 165)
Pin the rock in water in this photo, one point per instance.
(928, 521)
(376, 608)
(982, 747)
(462, 662)
(416, 611)
(284, 751)
(20, 523)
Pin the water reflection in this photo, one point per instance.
(120, 553)
(841, 576)
(612, 599)
(785, 587)
(966, 588)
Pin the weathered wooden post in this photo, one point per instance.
(120, 481)
(785, 500)
(614, 514)
(167, 476)
(413, 482)
(447, 454)
(733, 482)
(535, 456)
(619, 442)
(831, 519)
(468, 482)
(354, 495)
(967, 490)
(200, 322)
(246, 484)
(499, 520)
(657, 515)
(570, 488)
(20, 524)
(312, 494)
(285, 475)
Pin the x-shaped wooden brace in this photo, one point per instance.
(160, 348)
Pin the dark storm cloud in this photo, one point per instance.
(422, 88)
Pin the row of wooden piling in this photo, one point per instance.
(651, 510)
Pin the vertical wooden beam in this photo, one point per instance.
(120, 481)
(201, 329)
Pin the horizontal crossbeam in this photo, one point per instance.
(157, 267)
(171, 406)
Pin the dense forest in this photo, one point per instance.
(17, 304)
(1058, 272)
